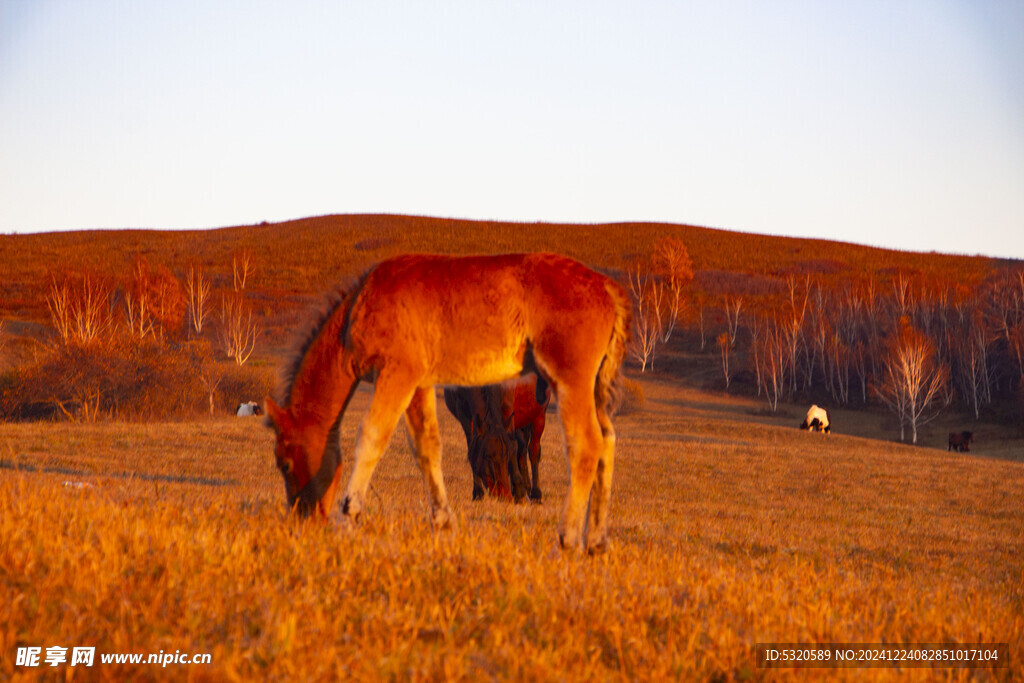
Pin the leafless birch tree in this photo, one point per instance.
(771, 358)
(238, 329)
(241, 268)
(673, 265)
(80, 311)
(647, 295)
(724, 351)
(732, 304)
(912, 385)
(197, 293)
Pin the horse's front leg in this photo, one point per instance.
(392, 394)
(425, 441)
(534, 452)
(535, 494)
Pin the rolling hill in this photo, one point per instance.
(299, 259)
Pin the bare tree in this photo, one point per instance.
(238, 329)
(733, 305)
(757, 325)
(725, 349)
(673, 265)
(137, 301)
(154, 303)
(80, 311)
(168, 301)
(241, 268)
(59, 303)
(902, 295)
(210, 378)
(841, 360)
(92, 315)
(795, 320)
(701, 326)
(647, 295)
(968, 346)
(859, 358)
(771, 358)
(1015, 339)
(912, 384)
(197, 293)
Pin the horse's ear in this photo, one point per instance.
(275, 414)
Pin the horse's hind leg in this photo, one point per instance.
(584, 443)
(391, 396)
(600, 497)
(425, 438)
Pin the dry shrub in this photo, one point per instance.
(129, 381)
(86, 383)
(240, 383)
(631, 397)
(9, 382)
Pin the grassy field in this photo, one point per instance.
(728, 528)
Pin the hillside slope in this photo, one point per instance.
(310, 255)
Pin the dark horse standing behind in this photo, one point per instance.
(503, 426)
(416, 321)
(960, 441)
(527, 402)
(490, 446)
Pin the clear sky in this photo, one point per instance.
(896, 123)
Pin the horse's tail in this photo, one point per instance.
(607, 387)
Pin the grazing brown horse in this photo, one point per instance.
(960, 441)
(503, 425)
(492, 451)
(416, 321)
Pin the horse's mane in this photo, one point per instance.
(308, 333)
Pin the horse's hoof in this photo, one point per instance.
(351, 508)
(535, 496)
(442, 520)
(598, 548)
(568, 544)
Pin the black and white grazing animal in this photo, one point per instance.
(817, 420)
(248, 409)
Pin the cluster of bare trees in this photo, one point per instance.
(152, 304)
(911, 343)
(111, 333)
(79, 308)
(659, 290)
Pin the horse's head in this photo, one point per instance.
(309, 460)
(492, 456)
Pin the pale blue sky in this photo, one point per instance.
(891, 123)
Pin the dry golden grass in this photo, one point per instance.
(728, 529)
